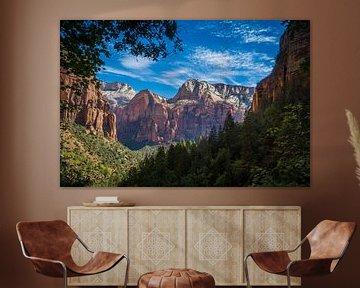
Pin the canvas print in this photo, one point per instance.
(184, 103)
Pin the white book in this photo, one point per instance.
(102, 202)
(107, 199)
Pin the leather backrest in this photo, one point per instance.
(46, 239)
(329, 238)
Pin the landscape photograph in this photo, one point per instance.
(184, 103)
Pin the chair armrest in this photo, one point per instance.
(49, 267)
(309, 267)
(46, 260)
(268, 253)
(280, 251)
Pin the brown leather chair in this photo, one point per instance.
(328, 242)
(48, 245)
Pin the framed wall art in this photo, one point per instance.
(184, 103)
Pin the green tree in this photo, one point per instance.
(83, 42)
(292, 142)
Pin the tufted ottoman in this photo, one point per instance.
(176, 278)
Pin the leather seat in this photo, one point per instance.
(48, 245)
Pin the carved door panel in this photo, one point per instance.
(269, 230)
(156, 240)
(101, 230)
(214, 244)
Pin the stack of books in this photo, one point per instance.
(106, 199)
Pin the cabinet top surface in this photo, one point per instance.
(192, 207)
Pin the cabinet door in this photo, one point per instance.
(156, 240)
(214, 244)
(101, 230)
(270, 230)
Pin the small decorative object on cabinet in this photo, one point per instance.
(328, 242)
(48, 245)
(211, 239)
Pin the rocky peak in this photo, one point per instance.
(113, 86)
(195, 89)
(118, 94)
(148, 96)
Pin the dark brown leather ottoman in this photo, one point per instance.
(176, 278)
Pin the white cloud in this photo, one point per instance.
(228, 61)
(253, 36)
(247, 33)
(111, 70)
(181, 71)
(205, 56)
(136, 63)
(170, 81)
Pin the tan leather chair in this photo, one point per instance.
(48, 245)
(328, 242)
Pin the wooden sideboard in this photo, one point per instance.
(211, 239)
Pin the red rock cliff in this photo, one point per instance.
(193, 112)
(289, 67)
(88, 108)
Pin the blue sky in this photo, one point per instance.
(237, 52)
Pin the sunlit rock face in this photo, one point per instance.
(87, 107)
(196, 109)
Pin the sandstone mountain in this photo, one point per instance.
(290, 75)
(146, 118)
(238, 96)
(196, 109)
(86, 107)
(117, 94)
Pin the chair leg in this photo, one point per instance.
(127, 271)
(65, 276)
(288, 278)
(246, 270)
